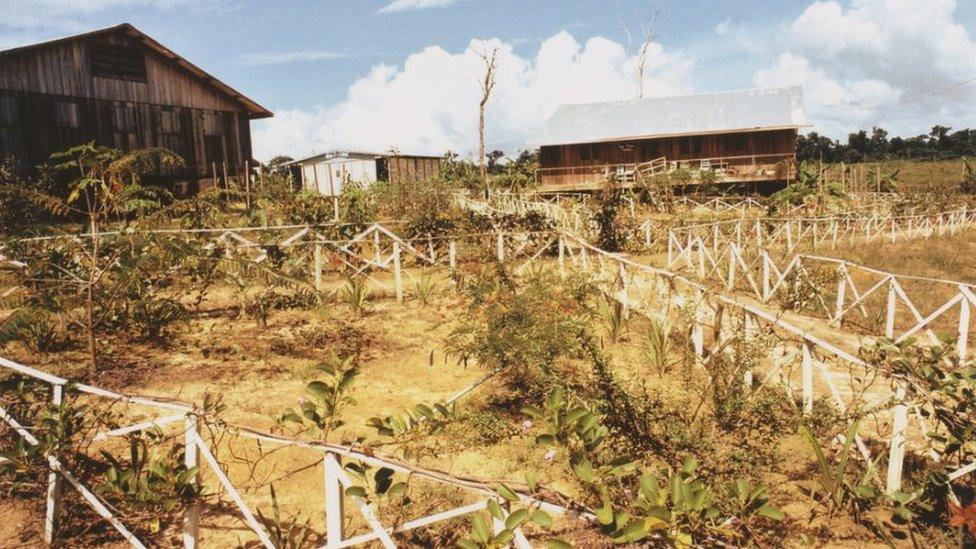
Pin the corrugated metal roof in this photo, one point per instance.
(732, 111)
(339, 155)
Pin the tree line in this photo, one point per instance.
(939, 144)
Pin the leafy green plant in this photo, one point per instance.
(356, 294)
(285, 533)
(153, 318)
(509, 517)
(151, 484)
(425, 289)
(616, 317)
(838, 489)
(412, 429)
(328, 398)
(658, 349)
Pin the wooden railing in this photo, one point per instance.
(756, 167)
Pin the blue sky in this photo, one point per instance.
(383, 73)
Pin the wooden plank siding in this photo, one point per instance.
(51, 100)
(405, 169)
(566, 166)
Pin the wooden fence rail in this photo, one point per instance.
(817, 232)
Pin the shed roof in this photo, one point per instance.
(359, 155)
(724, 112)
(255, 110)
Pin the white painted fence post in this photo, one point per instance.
(561, 261)
(841, 296)
(749, 334)
(397, 274)
(318, 267)
(890, 309)
(500, 247)
(807, 368)
(896, 455)
(191, 459)
(766, 287)
(452, 257)
(53, 510)
(697, 334)
(334, 502)
(963, 341)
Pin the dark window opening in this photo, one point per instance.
(118, 61)
(589, 152)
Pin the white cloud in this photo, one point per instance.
(406, 5)
(429, 105)
(895, 63)
(834, 106)
(282, 57)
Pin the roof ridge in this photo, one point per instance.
(685, 95)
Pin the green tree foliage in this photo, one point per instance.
(940, 143)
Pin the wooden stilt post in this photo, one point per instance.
(53, 510)
(191, 459)
(397, 274)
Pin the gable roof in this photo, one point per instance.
(340, 155)
(253, 108)
(724, 112)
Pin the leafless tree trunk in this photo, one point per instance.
(490, 59)
(647, 22)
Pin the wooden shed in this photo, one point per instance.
(327, 172)
(120, 88)
(730, 137)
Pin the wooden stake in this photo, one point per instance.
(53, 510)
(191, 459)
(397, 274)
(318, 267)
(896, 453)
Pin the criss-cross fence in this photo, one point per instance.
(798, 358)
(802, 362)
(199, 453)
(842, 293)
(817, 232)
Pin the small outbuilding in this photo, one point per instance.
(729, 137)
(328, 172)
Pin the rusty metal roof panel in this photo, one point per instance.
(724, 112)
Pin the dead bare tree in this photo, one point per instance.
(491, 60)
(647, 23)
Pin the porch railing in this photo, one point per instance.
(735, 168)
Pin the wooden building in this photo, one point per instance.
(729, 137)
(327, 172)
(120, 88)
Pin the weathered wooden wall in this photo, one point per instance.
(672, 148)
(406, 169)
(50, 100)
